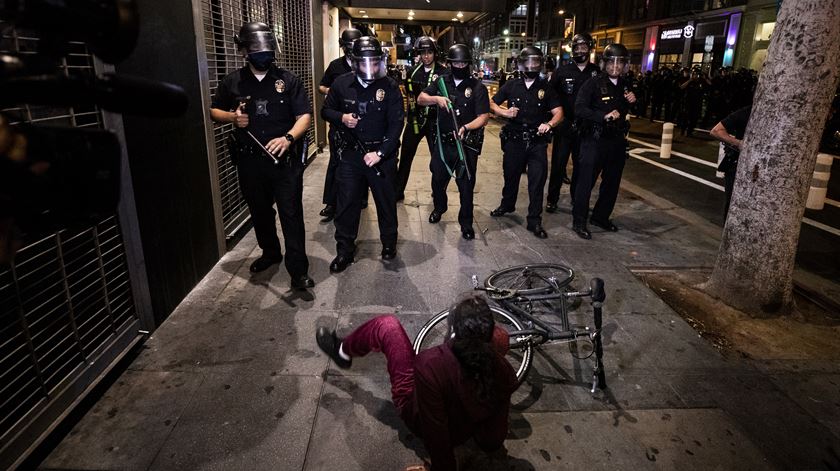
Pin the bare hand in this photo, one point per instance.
(739, 143)
(371, 159)
(544, 128)
(443, 102)
(612, 115)
(461, 131)
(511, 112)
(630, 97)
(349, 120)
(240, 119)
(278, 146)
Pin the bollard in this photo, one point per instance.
(667, 140)
(819, 183)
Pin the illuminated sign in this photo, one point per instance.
(671, 34)
(685, 32)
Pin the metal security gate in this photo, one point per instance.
(290, 20)
(66, 305)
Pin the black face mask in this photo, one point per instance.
(580, 59)
(532, 75)
(261, 60)
(460, 74)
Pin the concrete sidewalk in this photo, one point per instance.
(233, 380)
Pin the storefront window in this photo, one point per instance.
(764, 31)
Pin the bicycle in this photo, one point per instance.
(517, 292)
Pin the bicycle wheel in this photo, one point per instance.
(435, 330)
(531, 279)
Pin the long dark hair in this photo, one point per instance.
(471, 322)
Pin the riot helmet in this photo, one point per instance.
(530, 62)
(259, 44)
(347, 37)
(459, 58)
(616, 60)
(426, 48)
(369, 61)
(582, 45)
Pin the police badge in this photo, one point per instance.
(541, 94)
(280, 86)
(468, 92)
(380, 95)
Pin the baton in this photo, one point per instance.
(458, 144)
(244, 101)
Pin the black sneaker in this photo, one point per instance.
(328, 211)
(329, 344)
(551, 208)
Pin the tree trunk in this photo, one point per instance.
(754, 267)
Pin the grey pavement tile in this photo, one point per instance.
(635, 439)
(190, 337)
(782, 429)
(357, 428)
(277, 342)
(826, 365)
(243, 421)
(819, 394)
(129, 424)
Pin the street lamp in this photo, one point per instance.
(506, 32)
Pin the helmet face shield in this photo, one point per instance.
(531, 64)
(260, 41)
(370, 68)
(616, 65)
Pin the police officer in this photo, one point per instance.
(367, 111)
(337, 67)
(533, 109)
(271, 111)
(419, 117)
(567, 80)
(601, 107)
(468, 98)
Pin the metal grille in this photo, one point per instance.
(67, 296)
(290, 20)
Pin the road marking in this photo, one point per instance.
(822, 226)
(635, 154)
(678, 154)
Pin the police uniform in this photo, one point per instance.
(469, 100)
(380, 110)
(603, 146)
(272, 107)
(336, 68)
(417, 125)
(566, 81)
(521, 144)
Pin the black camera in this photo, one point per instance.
(65, 175)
